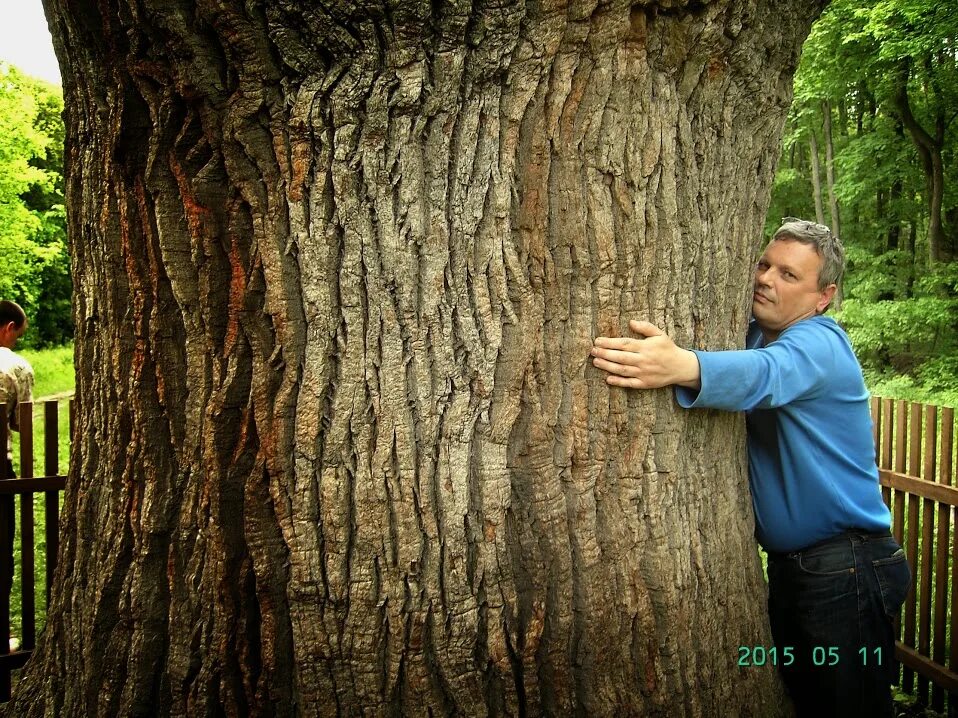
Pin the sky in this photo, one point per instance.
(25, 41)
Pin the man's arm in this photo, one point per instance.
(25, 384)
(650, 362)
(22, 388)
(795, 366)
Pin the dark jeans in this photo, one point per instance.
(833, 604)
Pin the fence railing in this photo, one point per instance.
(915, 448)
(49, 484)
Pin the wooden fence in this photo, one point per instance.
(915, 449)
(50, 484)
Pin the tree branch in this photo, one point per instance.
(903, 105)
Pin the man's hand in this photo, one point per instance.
(648, 363)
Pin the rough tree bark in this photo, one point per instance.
(339, 445)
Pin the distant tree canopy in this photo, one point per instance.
(870, 149)
(34, 263)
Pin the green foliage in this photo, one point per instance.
(907, 342)
(862, 60)
(871, 277)
(858, 174)
(790, 198)
(34, 262)
(901, 332)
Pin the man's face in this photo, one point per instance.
(786, 286)
(10, 333)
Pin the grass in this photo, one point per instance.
(52, 369)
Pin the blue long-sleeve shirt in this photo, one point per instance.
(810, 453)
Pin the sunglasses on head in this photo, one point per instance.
(806, 224)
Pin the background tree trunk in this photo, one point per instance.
(836, 224)
(339, 444)
(816, 176)
(894, 217)
(930, 151)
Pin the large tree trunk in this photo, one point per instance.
(339, 444)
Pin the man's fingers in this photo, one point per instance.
(631, 362)
(642, 328)
(625, 382)
(614, 367)
(619, 357)
(614, 342)
(646, 329)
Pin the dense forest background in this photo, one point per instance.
(34, 259)
(869, 150)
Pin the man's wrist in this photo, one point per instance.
(690, 375)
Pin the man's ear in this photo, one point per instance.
(828, 293)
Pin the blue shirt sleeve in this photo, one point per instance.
(793, 367)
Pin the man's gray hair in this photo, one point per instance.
(829, 247)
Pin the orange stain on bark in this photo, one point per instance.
(571, 107)
(301, 153)
(534, 629)
(532, 211)
(638, 27)
(196, 214)
(243, 435)
(126, 242)
(716, 66)
(237, 295)
(650, 681)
